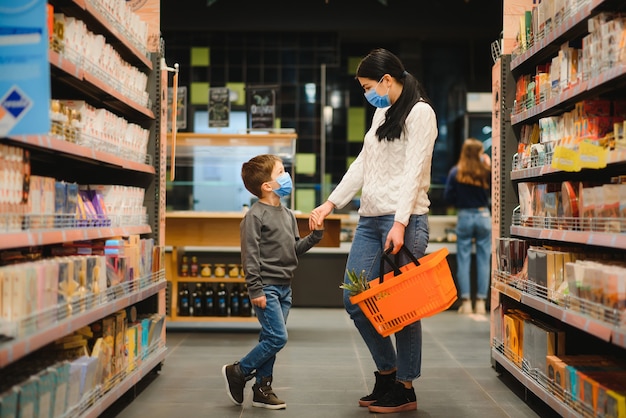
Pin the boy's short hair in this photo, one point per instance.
(257, 171)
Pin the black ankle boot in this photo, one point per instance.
(384, 383)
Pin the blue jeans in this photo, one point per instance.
(473, 224)
(273, 335)
(367, 247)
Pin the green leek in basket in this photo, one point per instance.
(356, 283)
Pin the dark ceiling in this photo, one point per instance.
(353, 20)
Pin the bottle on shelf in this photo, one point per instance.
(193, 267)
(184, 266)
(183, 300)
(196, 300)
(244, 302)
(208, 303)
(235, 301)
(221, 307)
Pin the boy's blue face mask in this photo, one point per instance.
(376, 99)
(285, 185)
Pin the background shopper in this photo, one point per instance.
(270, 246)
(392, 171)
(468, 189)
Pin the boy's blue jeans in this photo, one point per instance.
(365, 254)
(473, 224)
(273, 335)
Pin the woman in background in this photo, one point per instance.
(468, 188)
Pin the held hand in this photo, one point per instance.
(395, 237)
(315, 221)
(261, 301)
(320, 213)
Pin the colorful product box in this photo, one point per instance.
(25, 84)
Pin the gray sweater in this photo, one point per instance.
(270, 246)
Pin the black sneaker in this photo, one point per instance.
(235, 382)
(398, 399)
(384, 382)
(264, 396)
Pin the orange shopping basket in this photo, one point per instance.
(409, 293)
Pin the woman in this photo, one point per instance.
(468, 189)
(392, 171)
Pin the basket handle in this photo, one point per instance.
(394, 263)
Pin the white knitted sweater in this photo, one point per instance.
(394, 177)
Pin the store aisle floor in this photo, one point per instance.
(325, 368)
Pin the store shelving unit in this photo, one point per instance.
(85, 164)
(586, 318)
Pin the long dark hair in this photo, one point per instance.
(374, 66)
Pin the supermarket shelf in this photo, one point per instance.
(13, 350)
(548, 44)
(568, 97)
(147, 365)
(553, 402)
(98, 22)
(59, 145)
(33, 238)
(94, 86)
(603, 330)
(602, 239)
(614, 157)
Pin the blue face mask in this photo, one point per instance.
(376, 99)
(284, 181)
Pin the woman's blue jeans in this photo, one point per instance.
(473, 224)
(273, 335)
(365, 255)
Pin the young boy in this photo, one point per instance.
(270, 246)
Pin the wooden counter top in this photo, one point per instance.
(191, 228)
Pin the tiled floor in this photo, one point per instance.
(325, 368)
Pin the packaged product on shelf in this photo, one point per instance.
(28, 400)
(219, 270)
(67, 286)
(120, 343)
(233, 271)
(145, 340)
(74, 384)
(9, 401)
(60, 371)
(205, 270)
(156, 327)
(131, 347)
(610, 208)
(539, 341)
(88, 370)
(25, 85)
(526, 192)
